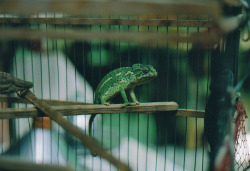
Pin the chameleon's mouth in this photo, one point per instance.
(146, 78)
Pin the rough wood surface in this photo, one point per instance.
(12, 164)
(95, 7)
(190, 113)
(104, 21)
(8, 99)
(69, 110)
(146, 38)
(90, 109)
(73, 130)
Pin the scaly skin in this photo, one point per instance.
(120, 80)
(10, 84)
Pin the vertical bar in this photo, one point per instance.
(120, 64)
(41, 67)
(15, 133)
(147, 125)
(12, 123)
(157, 99)
(75, 117)
(129, 63)
(197, 100)
(111, 116)
(138, 115)
(31, 55)
(186, 105)
(208, 80)
(100, 62)
(92, 83)
(58, 88)
(167, 87)
(65, 46)
(48, 57)
(59, 94)
(2, 106)
(85, 91)
(177, 93)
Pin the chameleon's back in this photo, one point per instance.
(111, 83)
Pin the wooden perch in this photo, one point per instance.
(190, 113)
(12, 164)
(152, 38)
(8, 99)
(69, 110)
(94, 7)
(64, 123)
(107, 21)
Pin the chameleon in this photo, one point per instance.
(118, 81)
(10, 84)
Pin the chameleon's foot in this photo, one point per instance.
(129, 104)
(137, 103)
(107, 104)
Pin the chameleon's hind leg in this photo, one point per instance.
(103, 101)
(133, 97)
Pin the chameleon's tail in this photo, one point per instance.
(91, 119)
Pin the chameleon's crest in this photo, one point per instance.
(143, 73)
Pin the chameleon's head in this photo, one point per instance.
(143, 73)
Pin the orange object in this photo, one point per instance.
(42, 122)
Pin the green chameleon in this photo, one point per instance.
(120, 80)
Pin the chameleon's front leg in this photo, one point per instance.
(124, 96)
(133, 97)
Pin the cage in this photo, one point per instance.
(66, 47)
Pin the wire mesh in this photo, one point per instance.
(55, 76)
(70, 70)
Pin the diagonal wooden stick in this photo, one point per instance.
(60, 120)
(13, 164)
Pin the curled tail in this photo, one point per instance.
(91, 119)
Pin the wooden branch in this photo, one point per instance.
(64, 123)
(235, 3)
(152, 38)
(68, 110)
(190, 113)
(8, 99)
(94, 7)
(10, 163)
(104, 21)
(11, 113)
